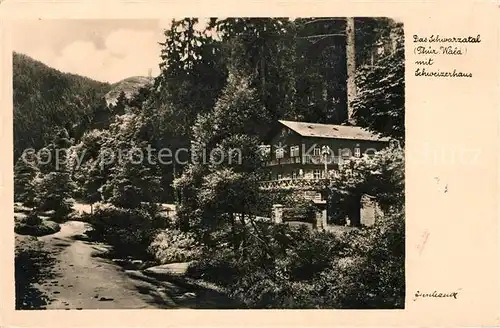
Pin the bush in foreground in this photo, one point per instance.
(286, 267)
(171, 245)
(33, 225)
(128, 231)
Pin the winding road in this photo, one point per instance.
(83, 280)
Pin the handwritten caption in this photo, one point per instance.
(436, 294)
(430, 49)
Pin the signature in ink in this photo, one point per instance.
(435, 294)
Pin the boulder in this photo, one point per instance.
(171, 269)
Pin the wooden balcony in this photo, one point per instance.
(294, 184)
(306, 159)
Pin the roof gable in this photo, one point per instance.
(332, 131)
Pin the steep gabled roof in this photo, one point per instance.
(332, 131)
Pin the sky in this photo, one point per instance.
(105, 50)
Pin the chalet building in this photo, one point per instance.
(300, 155)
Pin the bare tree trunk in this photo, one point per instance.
(263, 73)
(233, 233)
(351, 67)
(262, 239)
(244, 235)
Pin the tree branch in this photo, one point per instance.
(324, 20)
(261, 238)
(321, 36)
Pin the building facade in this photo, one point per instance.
(301, 155)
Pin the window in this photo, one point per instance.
(317, 174)
(317, 151)
(294, 151)
(278, 176)
(345, 153)
(357, 152)
(280, 153)
(265, 150)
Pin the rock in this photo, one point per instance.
(137, 264)
(189, 295)
(105, 299)
(176, 269)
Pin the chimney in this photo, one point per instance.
(351, 67)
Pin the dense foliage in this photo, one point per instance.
(32, 266)
(45, 98)
(25, 179)
(381, 86)
(172, 245)
(221, 88)
(128, 231)
(380, 175)
(299, 268)
(33, 225)
(277, 266)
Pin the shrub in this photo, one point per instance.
(285, 267)
(273, 269)
(272, 289)
(220, 267)
(128, 231)
(373, 276)
(172, 245)
(300, 209)
(312, 254)
(55, 194)
(32, 219)
(33, 225)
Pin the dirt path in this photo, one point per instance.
(84, 281)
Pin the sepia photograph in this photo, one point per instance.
(209, 163)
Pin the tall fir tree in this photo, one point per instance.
(133, 180)
(56, 186)
(25, 179)
(380, 101)
(214, 190)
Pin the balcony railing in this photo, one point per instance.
(294, 184)
(306, 159)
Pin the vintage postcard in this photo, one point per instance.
(290, 163)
